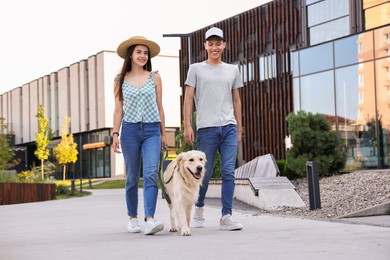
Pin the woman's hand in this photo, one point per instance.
(115, 144)
(164, 143)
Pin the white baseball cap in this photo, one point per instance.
(214, 31)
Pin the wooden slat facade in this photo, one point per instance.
(14, 193)
(270, 29)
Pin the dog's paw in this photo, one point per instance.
(186, 232)
(173, 229)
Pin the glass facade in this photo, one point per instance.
(348, 81)
(93, 163)
(327, 20)
(376, 13)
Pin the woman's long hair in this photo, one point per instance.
(126, 67)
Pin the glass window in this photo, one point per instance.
(355, 109)
(347, 110)
(308, 2)
(366, 87)
(382, 69)
(243, 73)
(250, 70)
(346, 51)
(365, 46)
(361, 97)
(326, 10)
(296, 95)
(267, 67)
(99, 163)
(361, 65)
(261, 68)
(347, 93)
(370, 3)
(377, 16)
(247, 72)
(317, 93)
(361, 80)
(329, 31)
(295, 63)
(382, 42)
(316, 59)
(382, 86)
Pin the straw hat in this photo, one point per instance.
(154, 49)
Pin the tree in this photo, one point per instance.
(42, 138)
(6, 153)
(66, 151)
(313, 140)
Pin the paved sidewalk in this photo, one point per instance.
(94, 227)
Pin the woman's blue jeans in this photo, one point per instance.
(141, 140)
(225, 140)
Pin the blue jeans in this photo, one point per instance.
(225, 140)
(141, 140)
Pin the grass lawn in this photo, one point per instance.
(111, 184)
(75, 194)
(96, 184)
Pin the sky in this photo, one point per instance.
(38, 37)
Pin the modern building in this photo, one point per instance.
(84, 92)
(323, 56)
(330, 57)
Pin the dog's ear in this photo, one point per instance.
(179, 158)
(204, 157)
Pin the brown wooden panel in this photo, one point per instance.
(268, 29)
(13, 193)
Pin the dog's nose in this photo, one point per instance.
(199, 168)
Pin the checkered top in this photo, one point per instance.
(139, 104)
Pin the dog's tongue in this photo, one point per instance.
(198, 175)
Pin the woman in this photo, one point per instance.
(140, 116)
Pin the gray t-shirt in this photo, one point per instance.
(213, 92)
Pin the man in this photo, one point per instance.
(215, 86)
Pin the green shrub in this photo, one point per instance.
(313, 140)
(62, 190)
(285, 171)
(7, 177)
(27, 176)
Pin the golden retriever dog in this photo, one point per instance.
(182, 178)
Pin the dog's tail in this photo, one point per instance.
(163, 165)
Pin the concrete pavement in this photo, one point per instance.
(94, 227)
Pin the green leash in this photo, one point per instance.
(163, 157)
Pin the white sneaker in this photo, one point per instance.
(199, 219)
(133, 226)
(153, 226)
(227, 223)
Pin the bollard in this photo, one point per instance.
(72, 186)
(313, 185)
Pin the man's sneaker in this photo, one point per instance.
(227, 223)
(133, 226)
(199, 217)
(153, 226)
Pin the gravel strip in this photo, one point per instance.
(341, 194)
